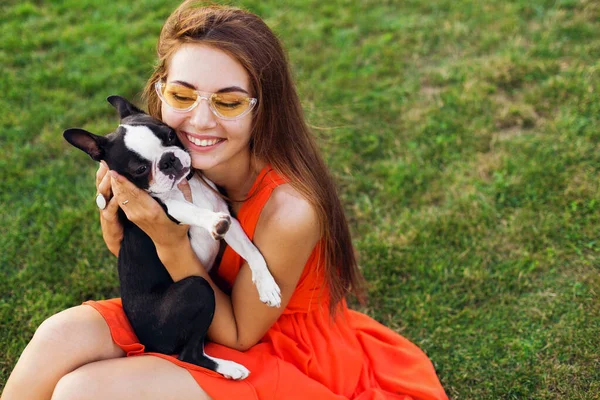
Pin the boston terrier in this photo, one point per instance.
(171, 317)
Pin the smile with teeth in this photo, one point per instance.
(204, 142)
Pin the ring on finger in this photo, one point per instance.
(100, 201)
(125, 202)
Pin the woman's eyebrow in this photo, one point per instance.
(223, 90)
(232, 89)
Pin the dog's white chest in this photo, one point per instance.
(202, 217)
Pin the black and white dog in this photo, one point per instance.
(170, 317)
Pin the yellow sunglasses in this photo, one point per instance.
(225, 105)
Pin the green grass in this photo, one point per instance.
(464, 135)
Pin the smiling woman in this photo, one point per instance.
(223, 84)
(215, 131)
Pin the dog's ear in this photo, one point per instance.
(123, 106)
(86, 141)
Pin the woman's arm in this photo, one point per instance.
(112, 230)
(141, 209)
(286, 235)
(287, 232)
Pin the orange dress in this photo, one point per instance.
(304, 355)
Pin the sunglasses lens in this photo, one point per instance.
(226, 105)
(178, 96)
(230, 105)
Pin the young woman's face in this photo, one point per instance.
(210, 140)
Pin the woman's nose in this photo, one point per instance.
(202, 116)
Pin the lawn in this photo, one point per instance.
(464, 137)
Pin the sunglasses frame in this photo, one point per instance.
(159, 85)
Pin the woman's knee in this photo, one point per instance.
(71, 387)
(80, 384)
(76, 331)
(61, 344)
(146, 377)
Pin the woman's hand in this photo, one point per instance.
(112, 230)
(141, 209)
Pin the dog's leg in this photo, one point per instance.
(217, 223)
(229, 369)
(268, 290)
(221, 225)
(186, 312)
(194, 353)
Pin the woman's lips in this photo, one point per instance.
(203, 144)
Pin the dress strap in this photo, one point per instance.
(266, 181)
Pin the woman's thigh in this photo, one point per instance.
(61, 344)
(141, 377)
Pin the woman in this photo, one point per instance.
(222, 81)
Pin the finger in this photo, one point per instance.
(101, 173)
(111, 210)
(186, 190)
(136, 203)
(104, 187)
(112, 229)
(123, 188)
(120, 199)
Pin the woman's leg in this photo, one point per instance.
(141, 377)
(61, 344)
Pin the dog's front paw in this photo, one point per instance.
(232, 370)
(268, 290)
(220, 226)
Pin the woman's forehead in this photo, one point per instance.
(206, 68)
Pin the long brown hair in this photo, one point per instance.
(280, 135)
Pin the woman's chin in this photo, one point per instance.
(227, 155)
(204, 162)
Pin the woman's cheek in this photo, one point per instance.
(170, 118)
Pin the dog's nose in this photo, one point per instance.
(170, 163)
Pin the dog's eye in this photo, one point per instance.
(141, 170)
(172, 136)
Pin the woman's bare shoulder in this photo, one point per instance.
(288, 229)
(287, 209)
